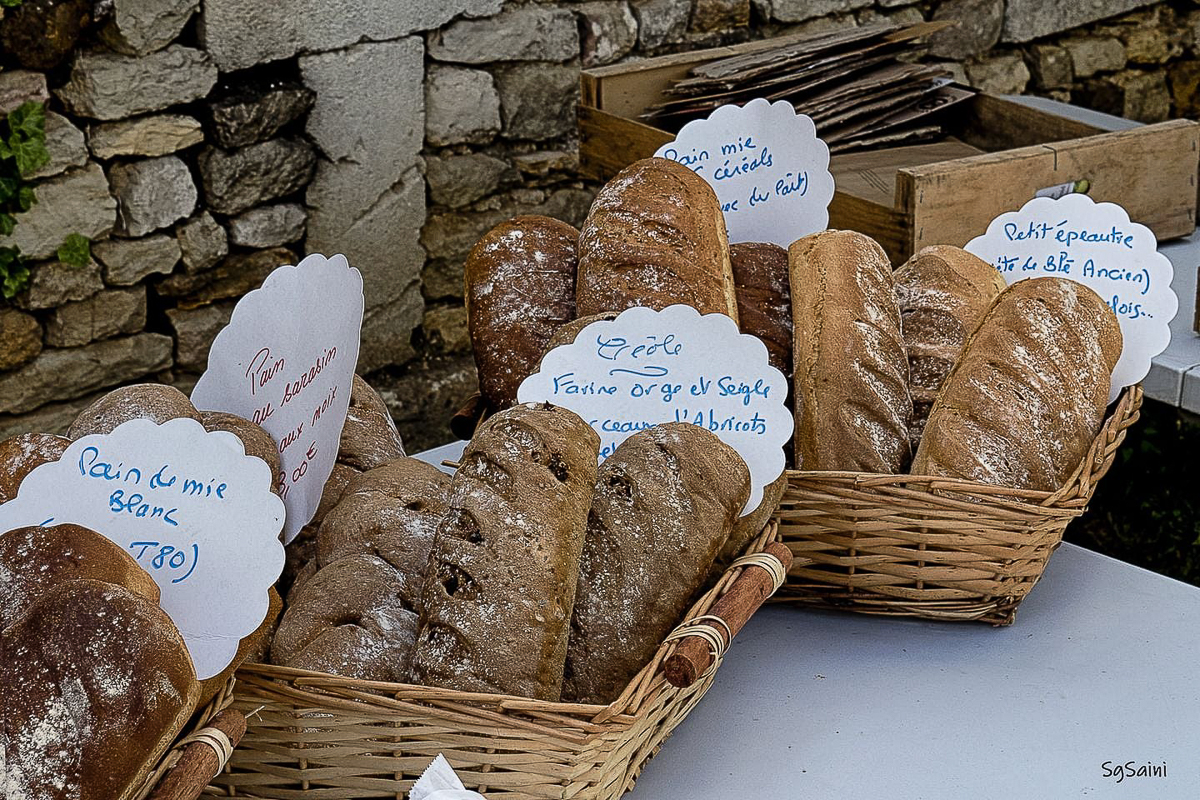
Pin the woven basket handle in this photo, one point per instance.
(202, 756)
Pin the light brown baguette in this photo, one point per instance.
(851, 372)
(1028, 394)
(655, 236)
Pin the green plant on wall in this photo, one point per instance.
(10, 3)
(22, 151)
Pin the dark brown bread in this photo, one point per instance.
(505, 565)
(942, 292)
(1028, 394)
(154, 401)
(95, 683)
(655, 236)
(22, 454)
(520, 286)
(566, 334)
(256, 440)
(851, 371)
(369, 435)
(665, 502)
(764, 297)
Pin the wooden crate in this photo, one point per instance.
(999, 154)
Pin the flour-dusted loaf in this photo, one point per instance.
(655, 236)
(22, 454)
(154, 401)
(665, 502)
(505, 565)
(95, 683)
(369, 436)
(1027, 396)
(764, 298)
(851, 370)
(520, 287)
(942, 292)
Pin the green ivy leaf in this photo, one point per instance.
(27, 136)
(14, 272)
(26, 198)
(10, 3)
(8, 189)
(76, 250)
(7, 223)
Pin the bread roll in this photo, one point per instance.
(655, 236)
(851, 371)
(764, 298)
(520, 286)
(369, 435)
(665, 502)
(256, 440)
(942, 292)
(22, 454)
(154, 401)
(95, 683)
(1028, 394)
(504, 568)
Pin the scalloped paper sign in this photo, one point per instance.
(286, 361)
(189, 506)
(1096, 244)
(648, 367)
(767, 166)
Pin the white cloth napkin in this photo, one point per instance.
(438, 782)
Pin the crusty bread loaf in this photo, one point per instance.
(95, 683)
(566, 334)
(369, 435)
(1028, 394)
(154, 401)
(942, 292)
(520, 286)
(256, 440)
(22, 454)
(851, 371)
(665, 502)
(764, 298)
(655, 236)
(504, 568)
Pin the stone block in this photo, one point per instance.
(202, 242)
(1001, 74)
(106, 85)
(709, 16)
(1091, 55)
(387, 330)
(240, 179)
(1184, 77)
(1133, 94)
(138, 27)
(237, 274)
(457, 181)
(18, 86)
(461, 106)
(101, 316)
(127, 261)
(268, 226)
(194, 331)
(64, 143)
(608, 31)
(40, 35)
(151, 193)
(543, 163)
(1025, 20)
(537, 101)
(51, 418)
(22, 337)
(425, 395)
(661, 22)
(77, 201)
(1050, 66)
(68, 373)
(255, 111)
(977, 29)
(519, 33)
(802, 10)
(445, 329)
(53, 283)
(157, 135)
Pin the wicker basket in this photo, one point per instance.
(199, 720)
(914, 546)
(313, 735)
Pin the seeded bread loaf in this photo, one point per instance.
(520, 286)
(22, 454)
(851, 371)
(665, 502)
(942, 292)
(655, 236)
(1027, 396)
(761, 278)
(505, 564)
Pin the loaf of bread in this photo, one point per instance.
(256, 440)
(369, 435)
(1027, 396)
(154, 401)
(764, 298)
(851, 371)
(748, 527)
(95, 683)
(942, 292)
(665, 502)
(655, 236)
(567, 333)
(22, 454)
(520, 286)
(505, 564)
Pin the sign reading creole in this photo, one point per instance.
(189, 506)
(767, 166)
(1096, 244)
(286, 361)
(648, 367)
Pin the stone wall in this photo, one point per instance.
(200, 143)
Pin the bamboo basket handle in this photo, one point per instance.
(202, 756)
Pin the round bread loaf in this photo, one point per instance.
(256, 440)
(155, 401)
(369, 436)
(520, 287)
(1028, 394)
(22, 454)
(764, 296)
(655, 236)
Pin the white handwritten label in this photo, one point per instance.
(286, 361)
(1096, 244)
(767, 166)
(189, 506)
(648, 367)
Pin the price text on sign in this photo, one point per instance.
(189, 506)
(1096, 244)
(648, 367)
(767, 166)
(286, 361)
